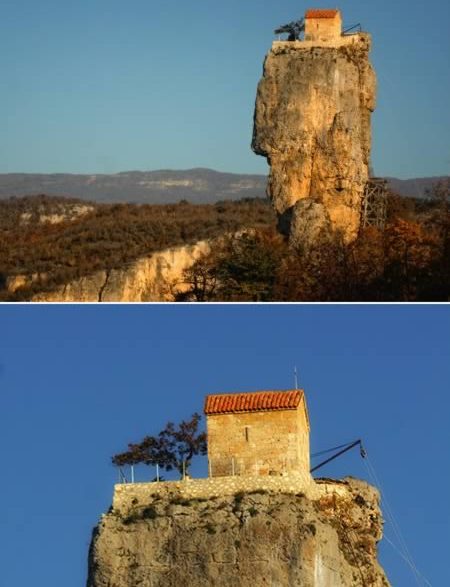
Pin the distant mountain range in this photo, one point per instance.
(198, 186)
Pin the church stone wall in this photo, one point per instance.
(322, 29)
(258, 443)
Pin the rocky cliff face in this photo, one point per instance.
(155, 278)
(312, 122)
(243, 540)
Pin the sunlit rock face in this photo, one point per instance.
(325, 537)
(312, 123)
(157, 277)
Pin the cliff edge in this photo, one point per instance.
(325, 536)
(312, 123)
(156, 277)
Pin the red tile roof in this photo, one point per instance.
(321, 13)
(257, 401)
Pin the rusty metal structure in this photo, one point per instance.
(374, 204)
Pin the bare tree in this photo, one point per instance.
(173, 448)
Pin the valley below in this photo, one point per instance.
(62, 249)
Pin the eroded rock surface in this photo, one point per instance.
(155, 278)
(312, 122)
(244, 540)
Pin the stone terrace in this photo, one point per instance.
(342, 41)
(129, 495)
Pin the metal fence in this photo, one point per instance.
(222, 467)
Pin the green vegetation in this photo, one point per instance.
(238, 498)
(149, 513)
(183, 501)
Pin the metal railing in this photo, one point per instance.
(124, 479)
(223, 467)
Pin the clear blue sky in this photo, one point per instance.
(78, 382)
(105, 86)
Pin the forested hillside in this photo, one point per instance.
(104, 236)
(47, 242)
(407, 261)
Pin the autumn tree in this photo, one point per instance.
(199, 281)
(173, 448)
(407, 261)
(438, 283)
(440, 196)
(246, 266)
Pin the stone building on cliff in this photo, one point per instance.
(259, 433)
(322, 25)
(259, 518)
(256, 440)
(312, 123)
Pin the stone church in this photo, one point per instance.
(258, 433)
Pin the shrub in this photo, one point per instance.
(149, 513)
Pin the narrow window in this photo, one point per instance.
(247, 430)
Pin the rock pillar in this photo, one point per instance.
(312, 123)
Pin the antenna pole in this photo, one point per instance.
(295, 378)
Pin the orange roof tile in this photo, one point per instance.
(321, 13)
(228, 403)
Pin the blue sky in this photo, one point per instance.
(79, 382)
(101, 86)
